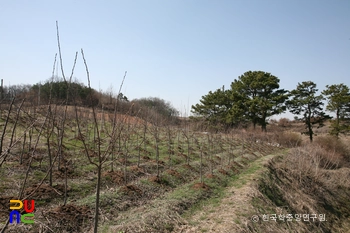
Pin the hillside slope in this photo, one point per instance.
(269, 188)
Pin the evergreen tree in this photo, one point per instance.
(214, 107)
(256, 96)
(306, 103)
(338, 96)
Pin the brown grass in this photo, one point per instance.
(275, 136)
(330, 143)
(200, 186)
(289, 139)
(313, 178)
(284, 122)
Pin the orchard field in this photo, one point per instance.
(147, 174)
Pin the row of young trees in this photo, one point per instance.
(256, 96)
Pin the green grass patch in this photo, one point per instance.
(39, 175)
(218, 186)
(81, 188)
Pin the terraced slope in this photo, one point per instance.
(152, 176)
(163, 213)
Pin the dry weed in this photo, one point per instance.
(310, 179)
(332, 144)
(288, 139)
(310, 159)
(284, 122)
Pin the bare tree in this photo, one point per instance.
(50, 125)
(170, 143)
(188, 136)
(201, 164)
(12, 142)
(155, 131)
(102, 155)
(210, 151)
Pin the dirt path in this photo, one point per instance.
(235, 209)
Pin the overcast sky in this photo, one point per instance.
(177, 50)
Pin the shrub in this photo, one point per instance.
(332, 144)
(284, 122)
(288, 139)
(311, 159)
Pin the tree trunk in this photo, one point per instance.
(263, 123)
(310, 129)
(50, 159)
(157, 155)
(201, 172)
(23, 148)
(97, 202)
(311, 133)
(338, 124)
